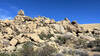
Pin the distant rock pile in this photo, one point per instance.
(40, 30)
(21, 13)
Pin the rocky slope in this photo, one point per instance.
(90, 26)
(48, 37)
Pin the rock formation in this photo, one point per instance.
(21, 13)
(64, 35)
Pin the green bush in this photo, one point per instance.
(42, 51)
(27, 50)
(78, 43)
(47, 50)
(81, 43)
(95, 43)
(62, 40)
(45, 36)
(6, 54)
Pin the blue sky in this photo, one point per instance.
(83, 11)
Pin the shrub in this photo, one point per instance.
(46, 51)
(45, 36)
(79, 52)
(27, 50)
(95, 43)
(76, 43)
(73, 22)
(62, 40)
(6, 54)
(27, 18)
(60, 54)
(81, 43)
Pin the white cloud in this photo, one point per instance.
(4, 14)
(2, 17)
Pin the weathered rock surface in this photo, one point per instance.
(21, 13)
(42, 31)
(13, 42)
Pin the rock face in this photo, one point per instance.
(21, 13)
(13, 42)
(42, 31)
(58, 28)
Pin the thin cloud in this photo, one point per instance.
(3, 17)
(4, 14)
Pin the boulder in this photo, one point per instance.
(74, 22)
(32, 26)
(52, 38)
(1, 35)
(19, 19)
(96, 32)
(47, 21)
(27, 18)
(23, 40)
(87, 38)
(60, 54)
(4, 42)
(58, 28)
(18, 47)
(41, 29)
(52, 21)
(69, 35)
(11, 48)
(35, 37)
(13, 42)
(9, 30)
(21, 13)
(67, 20)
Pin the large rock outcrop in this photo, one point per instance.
(41, 30)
